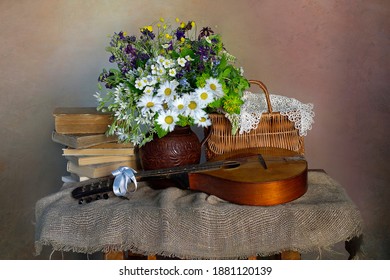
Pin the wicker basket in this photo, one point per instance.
(274, 130)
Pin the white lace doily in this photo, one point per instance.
(255, 104)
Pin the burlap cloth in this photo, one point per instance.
(193, 225)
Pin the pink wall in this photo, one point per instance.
(331, 53)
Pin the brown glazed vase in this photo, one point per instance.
(177, 148)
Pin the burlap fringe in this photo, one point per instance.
(359, 253)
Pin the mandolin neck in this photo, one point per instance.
(182, 170)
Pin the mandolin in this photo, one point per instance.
(261, 176)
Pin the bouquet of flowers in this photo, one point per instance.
(168, 76)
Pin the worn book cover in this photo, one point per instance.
(90, 160)
(81, 120)
(73, 178)
(98, 152)
(113, 145)
(97, 170)
(83, 140)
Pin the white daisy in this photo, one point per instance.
(149, 90)
(193, 106)
(167, 120)
(157, 69)
(139, 83)
(203, 120)
(168, 63)
(160, 59)
(172, 72)
(149, 103)
(204, 95)
(214, 86)
(160, 71)
(179, 105)
(167, 90)
(153, 67)
(150, 80)
(181, 61)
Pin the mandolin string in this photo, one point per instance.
(200, 167)
(182, 169)
(196, 167)
(209, 166)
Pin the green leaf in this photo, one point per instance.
(187, 51)
(216, 104)
(227, 71)
(160, 131)
(201, 80)
(222, 64)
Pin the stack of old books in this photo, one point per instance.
(89, 152)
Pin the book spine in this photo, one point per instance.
(90, 160)
(98, 152)
(98, 170)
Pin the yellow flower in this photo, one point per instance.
(193, 23)
(182, 25)
(182, 39)
(168, 36)
(177, 19)
(147, 27)
(158, 25)
(162, 19)
(125, 33)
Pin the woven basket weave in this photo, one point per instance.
(274, 130)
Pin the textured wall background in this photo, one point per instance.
(332, 53)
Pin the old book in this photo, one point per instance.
(113, 145)
(78, 178)
(83, 140)
(81, 120)
(98, 152)
(90, 160)
(98, 170)
(73, 178)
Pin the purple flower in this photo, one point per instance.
(121, 35)
(180, 33)
(124, 69)
(130, 50)
(143, 56)
(205, 32)
(201, 67)
(170, 48)
(204, 52)
(148, 34)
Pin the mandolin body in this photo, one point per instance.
(282, 180)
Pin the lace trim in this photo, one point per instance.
(255, 104)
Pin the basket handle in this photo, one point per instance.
(264, 88)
